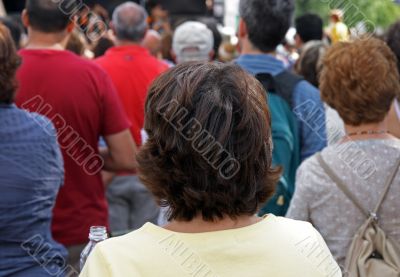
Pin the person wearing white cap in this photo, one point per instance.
(192, 41)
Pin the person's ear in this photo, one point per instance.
(298, 41)
(211, 55)
(145, 33)
(25, 18)
(112, 28)
(173, 55)
(70, 27)
(242, 32)
(71, 24)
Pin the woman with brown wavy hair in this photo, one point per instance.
(31, 173)
(208, 158)
(359, 80)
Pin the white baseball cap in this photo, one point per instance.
(192, 41)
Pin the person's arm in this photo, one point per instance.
(2, 9)
(299, 205)
(120, 152)
(121, 148)
(310, 113)
(394, 119)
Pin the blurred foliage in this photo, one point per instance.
(381, 13)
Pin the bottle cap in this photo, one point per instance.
(98, 233)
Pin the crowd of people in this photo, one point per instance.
(272, 160)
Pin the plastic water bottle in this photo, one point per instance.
(96, 235)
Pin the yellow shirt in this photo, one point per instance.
(340, 32)
(275, 246)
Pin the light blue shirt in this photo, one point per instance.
(307, 104)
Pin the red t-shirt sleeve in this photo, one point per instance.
(114, 119)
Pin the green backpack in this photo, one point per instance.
(285, 137)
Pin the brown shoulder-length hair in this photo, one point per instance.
(9, 63)
(209, 151)
(359, 80)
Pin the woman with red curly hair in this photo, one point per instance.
(359, 80)
(31, 173)
(209, 160)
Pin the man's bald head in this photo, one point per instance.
(48, 16)
(130, 22)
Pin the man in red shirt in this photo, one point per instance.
(80, 99)
(132, 69)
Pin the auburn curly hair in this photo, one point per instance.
(9, 63)
(359, 80)
(209, 151)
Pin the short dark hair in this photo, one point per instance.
(48, 16)
(393, 40)
(102, 45)
(309, 27)
(197, 116)
(15, 29)
(9, 63)
(267, 21)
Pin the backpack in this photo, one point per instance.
(371, 252)
(285, 137)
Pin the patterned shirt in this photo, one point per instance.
(364, 167)
(31, 173)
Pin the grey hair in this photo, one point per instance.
(130, 22)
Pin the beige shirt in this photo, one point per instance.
(364, 166)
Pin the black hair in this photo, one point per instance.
(267, 21)
(392, 39)
(309, 27)
(50, 16)
(14, 28)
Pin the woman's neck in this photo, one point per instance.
(198, 225)
(367, 131)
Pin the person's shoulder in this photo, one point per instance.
(121, 245)
(292, 232)
(311, 163)
(156, 64)
(38, 128)
(311, 175)
(307, 98)
(87, 66)
(46, 125)
(102, 61)
(293, 229)
(306, 247)
(306, 91)
(307, 88)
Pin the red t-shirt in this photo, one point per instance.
(80, 99)
(132, 70)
